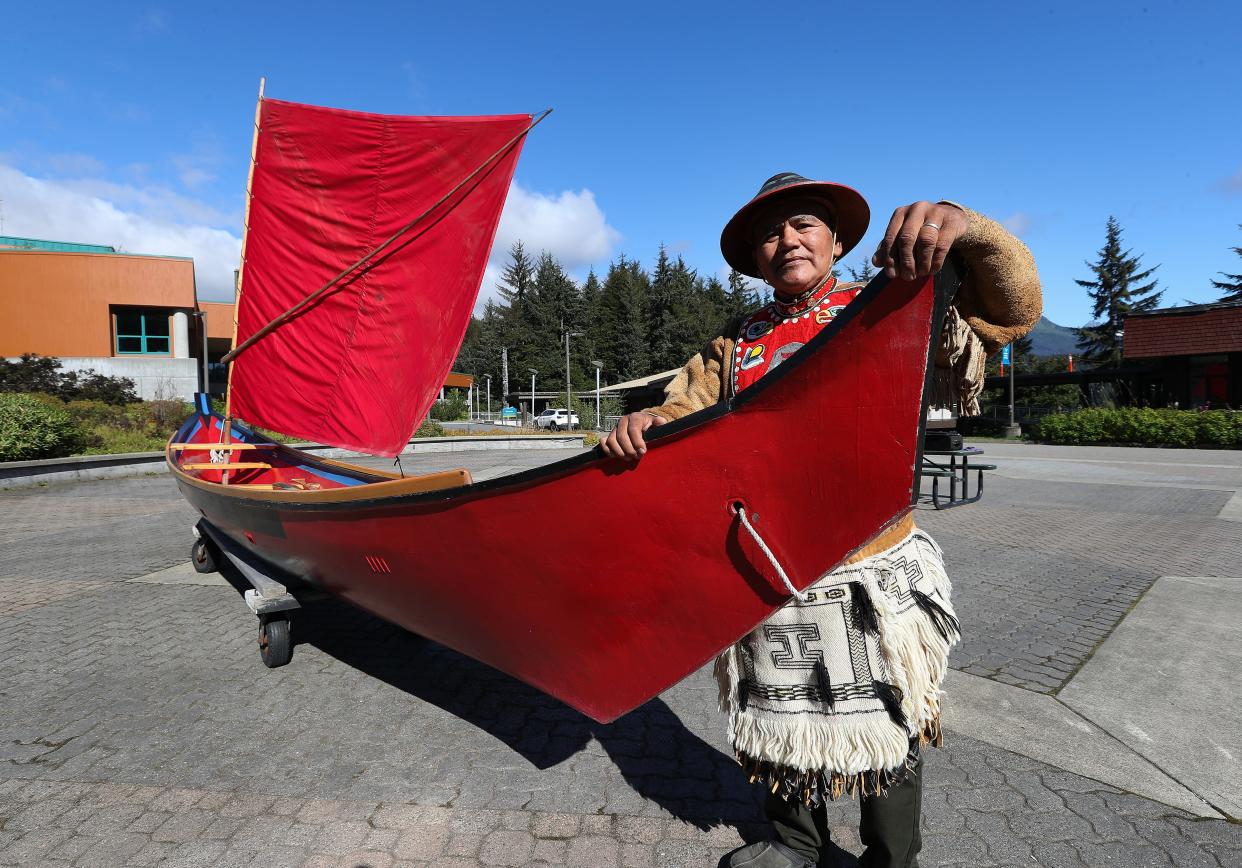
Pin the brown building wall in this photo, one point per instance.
(59, 304)
(219, 319)
(1191, 333)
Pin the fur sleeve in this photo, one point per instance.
(701, 383)
(1000, 297)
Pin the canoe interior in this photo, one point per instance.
(603, 583)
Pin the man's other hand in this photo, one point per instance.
(918, 239)
(626, 440)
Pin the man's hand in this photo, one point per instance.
(918, 239)
(626, 440)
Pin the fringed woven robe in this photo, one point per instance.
(834, 703)
(836, 694)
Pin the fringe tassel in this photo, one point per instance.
(945, 624)
(891, 697)
(846, 743)
(813, 787)
(864, 610)
(825, 684)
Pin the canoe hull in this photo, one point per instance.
(602, 583)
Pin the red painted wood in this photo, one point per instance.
(604, 584)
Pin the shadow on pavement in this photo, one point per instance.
(656, 754)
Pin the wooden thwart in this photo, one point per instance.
(241, 465)
(221, 447)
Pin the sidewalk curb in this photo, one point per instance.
(1043, 728)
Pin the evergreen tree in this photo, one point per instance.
(1020, 354)
(743, 297)
(1231, 287)
(1117, 290)
(592, 325)
(518, 275)
(623, 320)
(555, 307)
(512, 325)
(863, 274)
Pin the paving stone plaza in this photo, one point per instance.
(1092, 710)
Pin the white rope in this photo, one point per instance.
(780, 571)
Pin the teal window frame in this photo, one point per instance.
(145, 335)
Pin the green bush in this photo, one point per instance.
(430, 429)
(92, 412)
(106, 440)
(1144, 426)
(31, 429)
(35, 373)
(453, 408)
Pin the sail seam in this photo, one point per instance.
(362, 283)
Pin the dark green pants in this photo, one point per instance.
(889, 826)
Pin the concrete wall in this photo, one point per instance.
(153, 377)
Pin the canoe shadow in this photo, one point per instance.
(657, 756)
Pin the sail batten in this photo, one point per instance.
(360, 365)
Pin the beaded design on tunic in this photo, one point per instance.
(778, 330)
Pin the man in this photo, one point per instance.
(804, 739)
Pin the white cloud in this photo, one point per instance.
(139, 220)
(1231, 185)
(1019, 223)
(144, 218)
(568, 225)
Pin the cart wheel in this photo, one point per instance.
(274, 643)
(203, 555)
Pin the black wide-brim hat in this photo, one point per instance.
(847, 204)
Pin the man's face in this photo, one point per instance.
(794, 245)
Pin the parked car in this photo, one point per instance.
(556, 419)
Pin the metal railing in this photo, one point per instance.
(1021, 413)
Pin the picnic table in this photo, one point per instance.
(954, 465)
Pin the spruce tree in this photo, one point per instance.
(518, 275)
(742, 295)
(1117, 290)
(863, 274)
(623, 308)
(1231, 287)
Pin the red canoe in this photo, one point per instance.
(653, 575)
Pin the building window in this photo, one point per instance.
(142, 333)
(1209, 381)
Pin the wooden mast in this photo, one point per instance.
(241, 269)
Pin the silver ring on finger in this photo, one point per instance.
(935, 226)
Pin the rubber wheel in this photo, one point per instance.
(203, 556)
(275, 646)
(555, 427)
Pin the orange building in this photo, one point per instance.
(120, 314)
(96, 309)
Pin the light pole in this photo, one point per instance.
(533, 372)
(488, 377)
(598, 365)
(204, 383)
(569, 386)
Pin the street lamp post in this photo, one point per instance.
(569, 388)
(598, 365)
(488, 377)
(533, 372)
(204, 383)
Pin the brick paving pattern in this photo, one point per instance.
(137, 725)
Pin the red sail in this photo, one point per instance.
(361, 366)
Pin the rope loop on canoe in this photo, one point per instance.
(740, 511)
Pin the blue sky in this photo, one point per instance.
(131, 123)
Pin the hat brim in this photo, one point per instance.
(851, 210)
